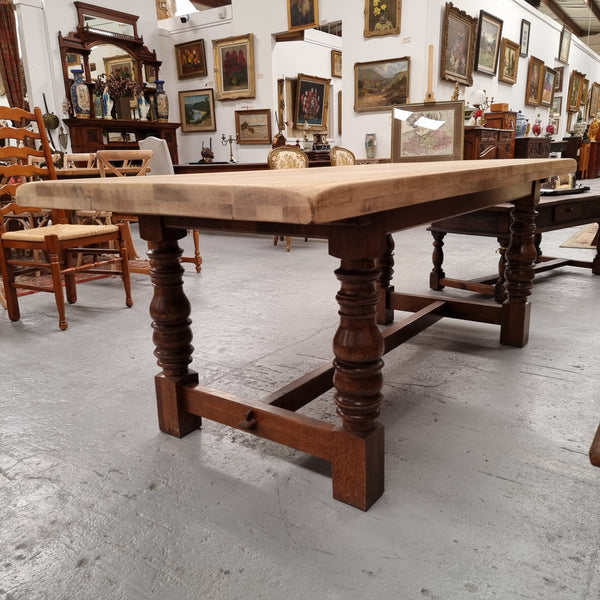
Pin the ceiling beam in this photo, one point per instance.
(593, 4)
(563, 17)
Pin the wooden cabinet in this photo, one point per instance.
(90, 135)
(532, 147)
(506, 119)
(486, 143)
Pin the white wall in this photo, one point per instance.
(41, 20)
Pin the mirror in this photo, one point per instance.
(109, 26)
(108, 58)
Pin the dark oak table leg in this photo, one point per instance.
(437, 257)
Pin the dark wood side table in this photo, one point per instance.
(532, 147)
(485, 143)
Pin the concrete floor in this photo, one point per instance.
(489, 491)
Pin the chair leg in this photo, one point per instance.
(288, 243)
(275, 240)
(197, 255)
(53, 254)
(10, 293)
(70, 287)
(125, 276)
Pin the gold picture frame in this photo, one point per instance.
(191, 59)
(197, 110)
(121, 64)
(302, 14)
(253, 126)
(547, 87)
(574, 95)
(234, 67)
(336, 63)
(534, 81)
(312, 102)
(489, 35)
(381, 84)
(565, 45)
(413, 126)
(457, 57)
(382, 17)
(509, 61)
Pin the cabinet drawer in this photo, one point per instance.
(490, 135)
(567, 212)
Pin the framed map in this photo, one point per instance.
(427, 132)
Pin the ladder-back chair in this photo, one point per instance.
(55, 245)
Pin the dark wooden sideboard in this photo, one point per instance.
(90, 135)
(486, 143)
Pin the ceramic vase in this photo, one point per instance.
(107, 104)
(370, 144)
(537, 127)
(162, 103)
(80, 96)
(521, 126)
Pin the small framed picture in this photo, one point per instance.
(565, 45)
(302, 14)
(197, 110)
(558, 82)
(253, 126)
(575, 87)
(382, 17)
(547, 93)
(191, 59)
(381, 84)
(534, 81)
(234, 67)
(312, 102)
(594, 99)
(524, 40)
(488, 43)
(509, 61)
(556, 108)
(336, 63)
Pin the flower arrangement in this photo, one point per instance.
(379, 8)
(119, 85)
(99, 85)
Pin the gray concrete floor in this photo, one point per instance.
(489, 491)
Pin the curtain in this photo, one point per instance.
(10, 61)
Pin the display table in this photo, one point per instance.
(554, 212)
(355, 208)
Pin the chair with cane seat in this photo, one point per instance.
(56, 245)
(287, 157)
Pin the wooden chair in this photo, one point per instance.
(75, 160)
(57, 244)
(287, 157)
(340, 157)
(161, 164)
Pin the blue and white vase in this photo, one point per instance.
(162, 103)
(107, 104)
(80, 96)
(521, 126)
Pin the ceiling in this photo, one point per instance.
(582, 17)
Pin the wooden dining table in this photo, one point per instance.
(356, 208)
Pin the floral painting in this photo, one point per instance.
(382, 17)
(234, 67)
(191, 59)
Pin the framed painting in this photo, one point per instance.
(547, 93)
(253, 126)
(584, 96)
(302, 14)
(197, 110)
(488, 43)
(428, 132)
(509, 61)
(574, 96)
(558, 82)
(312, 102)
(534, 81)
(336, 63)
(121, 65)
(565, 45)
(556, 107)
(73, 60)
(595, 99)
(570, 122)
(381, 84)
(524, 39)
(150, 73)
(234, 67)
(191, 59)
(382, 17)
(459, 32)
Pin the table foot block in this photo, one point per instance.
(357, 466)
(172, 418)
(595, 449)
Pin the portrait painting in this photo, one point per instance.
(302, 14)
(547, 86)
(458, 46)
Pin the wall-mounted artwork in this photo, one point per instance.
(121, 65)
(191, 59)
(565, 45)
(509, 61)
(234, 67)
(336, 63)
(575, 85)
(253, 126)
(197, 110)
(382, 17)
(302, 14)
(312, 102)
(381, 84)
(534, 81)
(458, 45)
(488, 43)
(524, 38)
(547, 92)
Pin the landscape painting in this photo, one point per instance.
(381, 84)
(197, 110)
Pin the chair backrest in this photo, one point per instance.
(123, 162)
(287, 157)
(341, 157)
(26, 154)
(161, 163)
(75, 160)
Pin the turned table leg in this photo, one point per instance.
(437, 257)
(358, 450)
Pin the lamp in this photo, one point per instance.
(481, 102)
